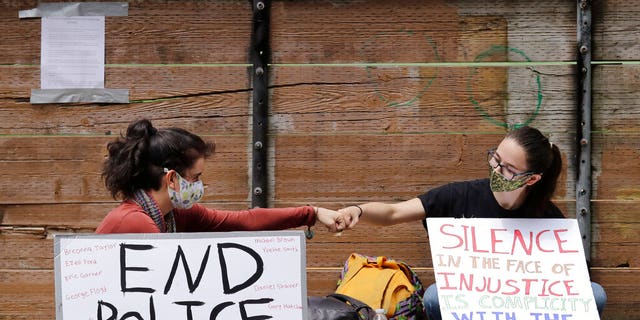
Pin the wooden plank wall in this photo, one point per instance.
(342, 132)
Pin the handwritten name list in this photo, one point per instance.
(236, 275)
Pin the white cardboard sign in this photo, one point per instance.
(510, 269)
(232, 275)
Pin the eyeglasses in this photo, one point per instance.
(505, 171)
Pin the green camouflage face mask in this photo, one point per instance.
(499, 183)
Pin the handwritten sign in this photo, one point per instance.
(511, 269)
(233, 275)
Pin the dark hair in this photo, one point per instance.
(137, 159)
(542, 157)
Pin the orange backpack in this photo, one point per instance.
(383, 283)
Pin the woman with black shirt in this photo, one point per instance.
(523, 172)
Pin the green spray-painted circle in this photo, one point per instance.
(423, 89)
(501, 49)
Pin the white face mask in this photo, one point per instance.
(189, 194)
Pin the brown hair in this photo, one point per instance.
(543, 158)
(137, 159)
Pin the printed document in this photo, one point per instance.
(72, 53)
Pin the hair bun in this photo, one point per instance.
(141, 129)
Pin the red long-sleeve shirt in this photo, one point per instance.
(129, 217)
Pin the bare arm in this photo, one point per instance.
(385, 213)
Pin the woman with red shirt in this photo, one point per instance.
(157, 174)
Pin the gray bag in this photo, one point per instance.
(338, 307)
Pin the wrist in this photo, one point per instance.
(308, 233)
(359, 208)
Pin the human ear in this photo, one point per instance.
(533, 179)
(168, 179)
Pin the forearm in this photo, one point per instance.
(199, 218)
(377, 213)
(389, 213)
(283, 218)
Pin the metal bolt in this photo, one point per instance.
(584, 49)
(583, 4)
(583, 211)
(584, 70)
(583, 192)
(260, 5)
(258, 145)
(259, 71)
(584, 141)
(257, 191)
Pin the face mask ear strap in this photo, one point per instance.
(169, 176)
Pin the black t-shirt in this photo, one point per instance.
(474, 199)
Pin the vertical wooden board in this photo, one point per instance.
(616, 254)
(616, 166)
(52, 181)
(615, 233)
(52, 148)
(16, 82)
(76, 216)
(383, 31)
(192, 31)
(81, 216)
(165, 33)
(27, 295)
(374, 166)
(144, 82)
(224, 114)
(20, 38)
(546, 31)
(415, 253)
(399, 99)
(229, 148)
(25, 248)
(621, 286)
(63, 169)
(616, 98)
(615, 30)
(379, 167)
(406, 241)
(323, 281)
(161, 32)
(363, 31)
(413, 231)
(391, 99)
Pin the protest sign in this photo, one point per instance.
(510, 269)
(233, 275)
